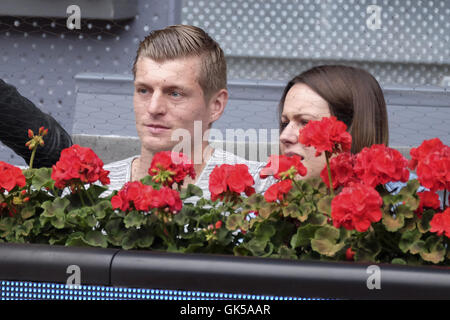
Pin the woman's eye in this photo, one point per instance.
(304, 122)
(283, 125)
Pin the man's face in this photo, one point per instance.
(167, 97)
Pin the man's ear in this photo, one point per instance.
(217, 105)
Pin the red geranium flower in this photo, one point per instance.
(138, 196)
(349, 254)
(433, 171)
(10, 177)
(166, 198)
(342, 172)
(283, 167)
(168, 167)
(278, 190)
(78, 165)
(424, 150)
(130, 197)
(441, 223)
(328, 134)
(356, 207)
(428, 199)
(380, 164)
(231, 179)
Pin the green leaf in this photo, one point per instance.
(241, 251)
(433, 250)
(76, 239)
(393, 224)
(398, 261)
(95, 191)
(424, 223)
(234, 222)
(55, 208)
(286, 253)
(96, 239)
(409, 240)
(193, 247)
(318, 219)
(129, 240)
(324, 205)
(115, 231)
(42, 178)
(24, 229)
(324, 241)
(303, 236)
(411, 188)
(134, 219)
(255, 200)
(266, 210)
(191, 191)
(367, 248)
(27, 212)
(260, 248)
(102, 208)
(264, 231)
(6, 226)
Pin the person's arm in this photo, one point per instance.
(17, 115)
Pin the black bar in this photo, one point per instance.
(253, 275)
(222, 273)
(40, 262)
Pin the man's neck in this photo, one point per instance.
(140, 166)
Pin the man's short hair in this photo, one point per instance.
(180, 41)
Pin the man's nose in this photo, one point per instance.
(157, 104)
(289, 135)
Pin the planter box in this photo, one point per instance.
(220, 273)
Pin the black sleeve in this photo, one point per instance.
(17, 115)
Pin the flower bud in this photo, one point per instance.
(30, 133)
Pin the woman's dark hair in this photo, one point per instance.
(354, 97)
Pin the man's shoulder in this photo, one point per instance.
(119, 164)
(221, 156)
(119, 172)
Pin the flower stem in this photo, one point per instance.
(445, 199)
(33, 154)
(88, 195)
(82, 200)
(329, 174)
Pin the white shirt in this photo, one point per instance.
(120, 172)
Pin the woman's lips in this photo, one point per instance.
(290, 154)
(157, 129)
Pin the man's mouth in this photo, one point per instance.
(157, 128)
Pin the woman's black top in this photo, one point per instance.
(17, 115)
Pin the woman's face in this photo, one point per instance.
(302, 104)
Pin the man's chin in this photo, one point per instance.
(156, 145)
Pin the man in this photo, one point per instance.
(18, 114)
(180, 88)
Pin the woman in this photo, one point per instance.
(350, 94)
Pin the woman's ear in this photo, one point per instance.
(217, 105)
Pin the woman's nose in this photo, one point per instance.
(289, 135)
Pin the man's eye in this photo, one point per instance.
(142, 91)
(175, 94)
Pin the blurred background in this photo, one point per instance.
(82, 77)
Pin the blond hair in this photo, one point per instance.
(181, 41)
